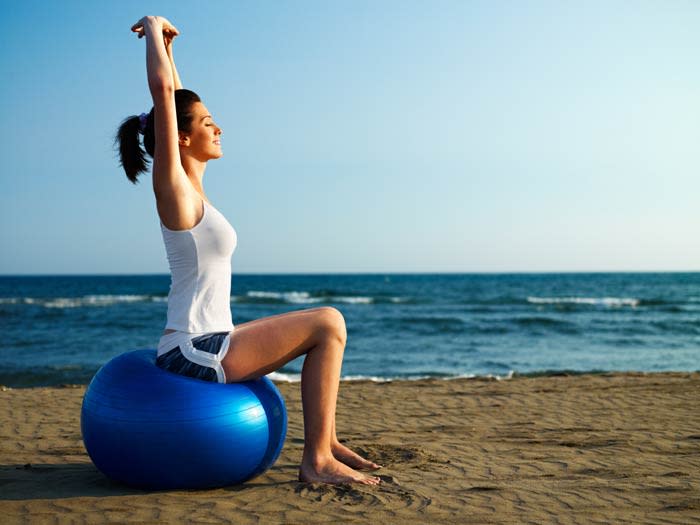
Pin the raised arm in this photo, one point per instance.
(168, 175)
(168, 39)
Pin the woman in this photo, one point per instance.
(200, 341)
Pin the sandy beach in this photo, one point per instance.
(614, 448)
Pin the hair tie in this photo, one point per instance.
(143, 117)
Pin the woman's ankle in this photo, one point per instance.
(316, 458)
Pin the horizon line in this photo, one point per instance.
(473, 272)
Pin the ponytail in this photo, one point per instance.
(132, 156)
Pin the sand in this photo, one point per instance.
(618, 448)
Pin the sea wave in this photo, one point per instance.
(84, 301)
(280, 297)
(609, 302)
(254, 296)
(283, 377)
(303, 297)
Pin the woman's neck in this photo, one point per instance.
(194, 169)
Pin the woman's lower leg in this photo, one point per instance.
(264, 345)
(319, 389)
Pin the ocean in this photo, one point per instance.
(61, 329)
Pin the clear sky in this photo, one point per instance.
(366, 136)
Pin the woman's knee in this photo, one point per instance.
(331, 323)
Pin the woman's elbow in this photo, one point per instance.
(161, 87)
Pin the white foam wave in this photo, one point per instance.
(352, 300)
(609, 302)
(306, 297)
(288, 297)
(295, 378)
(77, 302)
(506, 377)
(108, 300)
(284, 378)
(374, 379)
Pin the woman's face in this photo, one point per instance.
(204, 137)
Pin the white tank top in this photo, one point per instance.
(200, 268)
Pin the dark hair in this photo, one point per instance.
(132, 156)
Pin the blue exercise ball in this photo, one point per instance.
(150, 428)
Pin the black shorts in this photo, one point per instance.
(194, 355)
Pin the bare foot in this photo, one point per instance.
(351, 458)
(333, 471)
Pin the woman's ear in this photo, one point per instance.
(183, 139)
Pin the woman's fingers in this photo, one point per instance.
(171, 31)
(139, 25)
(138, 28)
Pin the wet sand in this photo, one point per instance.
(614, 448)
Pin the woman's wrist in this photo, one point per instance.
(153, 24)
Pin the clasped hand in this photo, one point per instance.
(169, 31)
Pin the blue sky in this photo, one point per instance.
(366, 136)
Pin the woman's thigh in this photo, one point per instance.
(265, 345)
